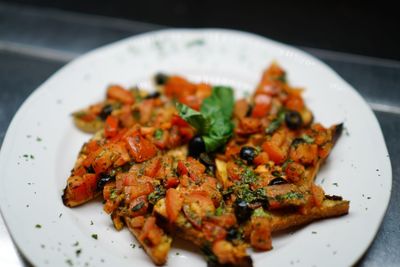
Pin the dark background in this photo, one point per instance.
(369, 28)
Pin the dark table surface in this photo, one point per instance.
(36, 42)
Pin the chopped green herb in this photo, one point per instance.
(32, 157)
(244, 192)
(158, 193)
(113, 194)
(177, 253)
(308, 139)
(248, 176)
(288, 196)
(313, 232)
(78, 252)
(284, 165)
(38, 226)
(95, 236)
(220, 210)
(133, 245)
(38, 139)
(91, 222)
(158, 134)
(259, 212)
(282, 78)
(138, 206)
(75, 244)
(335, 184)
(276, 123)
(196, 42)
(69, 262)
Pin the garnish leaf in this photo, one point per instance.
(194, 118)
(213, 121)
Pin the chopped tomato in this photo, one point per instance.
(108, 189)
(186, 133)
(318, 195)
(260, 237)
(213, 232)
(248, 126)
(174, 202)
(202, 199)
(192, 168)
(226, 220)
(232, 150)
(140, 148)
(172, 182)
(103, 160)
(139, 206)
(153, 166)
(182, 169)
(80, 189)
(120, 94)
(177, 86)
(274, 152)
(203, 90)
(294, 171)
(241, 108)
(79, 171)
(138, 190)
(304, 153)
(91, 146)
(294, 102)
(111, 127)
(122, 155)
(151, 233)
(262, 104)
(191, 101)
(178, 121)
(261, 159)
(234, 170)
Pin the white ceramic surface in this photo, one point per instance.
(41, 146)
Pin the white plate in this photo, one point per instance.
(31, 186)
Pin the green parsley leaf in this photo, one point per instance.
(158, 134)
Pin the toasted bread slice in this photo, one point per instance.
(233, 255)
(281, 220)
(156, 249)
